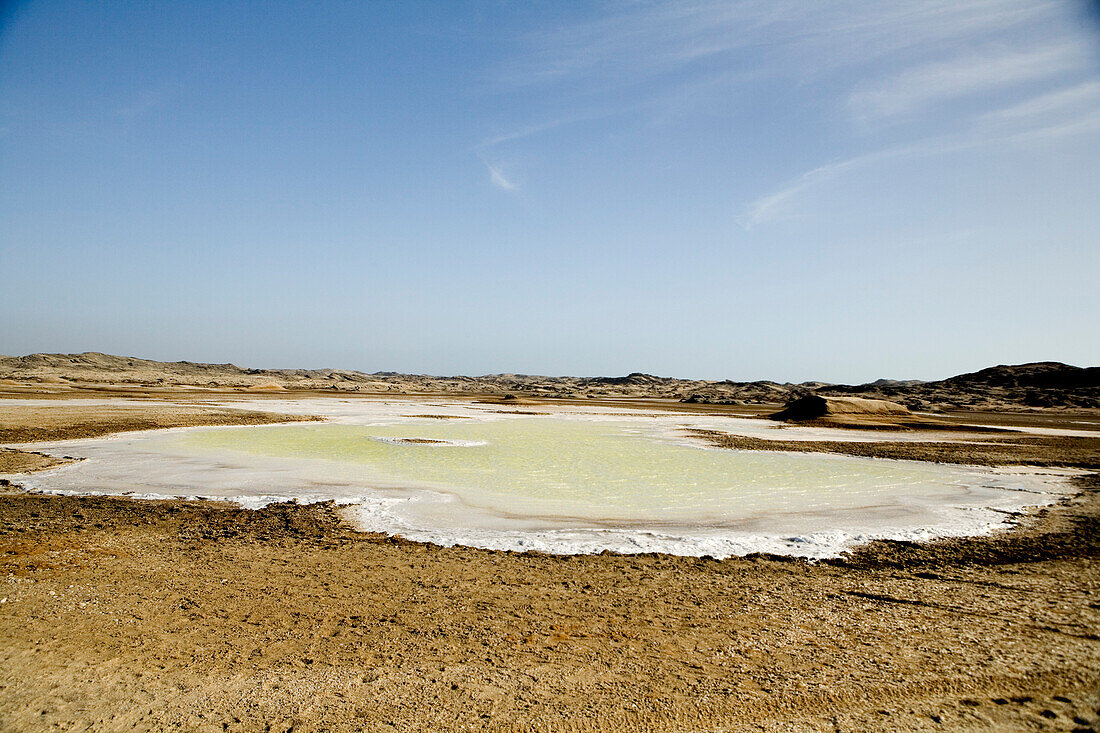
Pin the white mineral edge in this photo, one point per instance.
(417, 514)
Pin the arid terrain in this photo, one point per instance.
(1025, 386)
(120, 614)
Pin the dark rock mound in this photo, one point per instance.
(816, 407)
(637, 379)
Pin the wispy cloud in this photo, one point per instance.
(864, 64)
(1088, 122)
(777, 204)
(646, 40)
(143, 104)
(990, 132)
(1055, 102)
(497, 177)
(889, 53)
(535, 129)
(934, 83)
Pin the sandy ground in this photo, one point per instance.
(118, 614)
(62, 419)
(975, 450)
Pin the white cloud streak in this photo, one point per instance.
(143, 104)
(774, 205)
(497, 177)
(530, 130)
(1055, 102)
(991, 132)
(938, 82)
(879, 63)
(654, 39)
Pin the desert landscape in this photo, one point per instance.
(676, 366)
(133, 614)
(1042, 384)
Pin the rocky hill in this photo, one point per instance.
(95, 371)
(1041, 384)
(1038, 384)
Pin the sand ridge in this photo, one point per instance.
(1036, 386)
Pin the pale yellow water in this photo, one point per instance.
(574, 481)
(602, 470)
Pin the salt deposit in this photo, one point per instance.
(570, 481)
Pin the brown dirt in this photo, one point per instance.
(912, 423)
(122, 614)
(61, 421)
(440, 417)
(21, 461)
(118, 614)
(1022, 450)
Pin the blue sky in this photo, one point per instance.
(786, 190)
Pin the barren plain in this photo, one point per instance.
(120, 614)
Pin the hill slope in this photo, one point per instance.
(1038, 384)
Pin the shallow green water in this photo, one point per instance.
(601, 470)
(572, 482)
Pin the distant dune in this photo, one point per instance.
(1034, 385)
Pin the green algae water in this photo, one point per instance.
(572, 481)
(604, 471)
